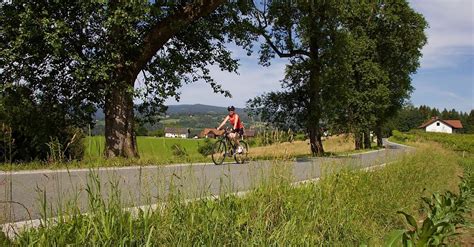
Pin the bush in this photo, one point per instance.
(251, 142)
(39, 125)
(179, 150)
(206, 148)
(157, 133)
(71, 150)
(402, 137)
(300, 137)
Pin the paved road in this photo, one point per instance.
(21, 192)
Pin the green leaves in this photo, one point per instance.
(393, 239)
(445, 212)
(409, 219)
(73, 55)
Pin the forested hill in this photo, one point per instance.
(199, 108)
(195, 117)
(189, 109)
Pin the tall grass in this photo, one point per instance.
(344, 209)
(334, 145)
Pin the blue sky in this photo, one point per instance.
(445, 78)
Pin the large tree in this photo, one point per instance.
(309, 34)
(350, 63)
(400, 35)
(89, 54)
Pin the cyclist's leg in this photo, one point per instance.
(238, 135)
(233, 137)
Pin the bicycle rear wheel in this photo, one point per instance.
(241, 157)
(218, 152)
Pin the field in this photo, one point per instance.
(455, 142)
(159, 149)
(336, 145)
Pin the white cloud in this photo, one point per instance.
(252, 80)
(451, 31)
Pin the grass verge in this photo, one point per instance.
(344, 209)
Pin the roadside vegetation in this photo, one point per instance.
(446, 217)
(350, 207)
(456, 142)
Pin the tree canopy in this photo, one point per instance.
(82, 55)
(350, 63)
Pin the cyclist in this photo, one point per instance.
(238, 130)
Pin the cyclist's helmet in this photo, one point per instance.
(231, 108)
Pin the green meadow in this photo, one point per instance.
(150, 148)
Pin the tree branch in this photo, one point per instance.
(291, 52)
(281, 54)
(164, 30)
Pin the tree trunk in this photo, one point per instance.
(358, 140)
(120, 139)
(378, 133)
(314, 89)
(315, 140)
(367, 140)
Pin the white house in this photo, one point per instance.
(177, 133)
(443, 126)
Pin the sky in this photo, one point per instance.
(445, 78)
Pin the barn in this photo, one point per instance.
(442, 126)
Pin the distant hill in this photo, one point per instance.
(199, 108)
(187, 109)
(195, 117)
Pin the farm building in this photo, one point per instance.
(250, 133)
(213, 133)
(210, 133)
(443, 126)
(177, 132)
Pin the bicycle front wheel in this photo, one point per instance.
(218, 152)
(241, 157)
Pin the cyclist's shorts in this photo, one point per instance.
(240, 131)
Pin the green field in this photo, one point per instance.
(455, 142)
(150, 148)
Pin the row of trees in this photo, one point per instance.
(350, 65)
(349, 61)
(411, 117)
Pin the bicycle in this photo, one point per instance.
(225, 147)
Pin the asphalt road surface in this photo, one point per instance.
(23, 193)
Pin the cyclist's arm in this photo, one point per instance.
(223, 122)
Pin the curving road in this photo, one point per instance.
(21, 192)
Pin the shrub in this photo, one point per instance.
(73, 149)
(445, 212)
(300, 137)
(206, 148)
(179, 151)
(158, 133)
(35, 124)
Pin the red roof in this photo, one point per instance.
(455, 124)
